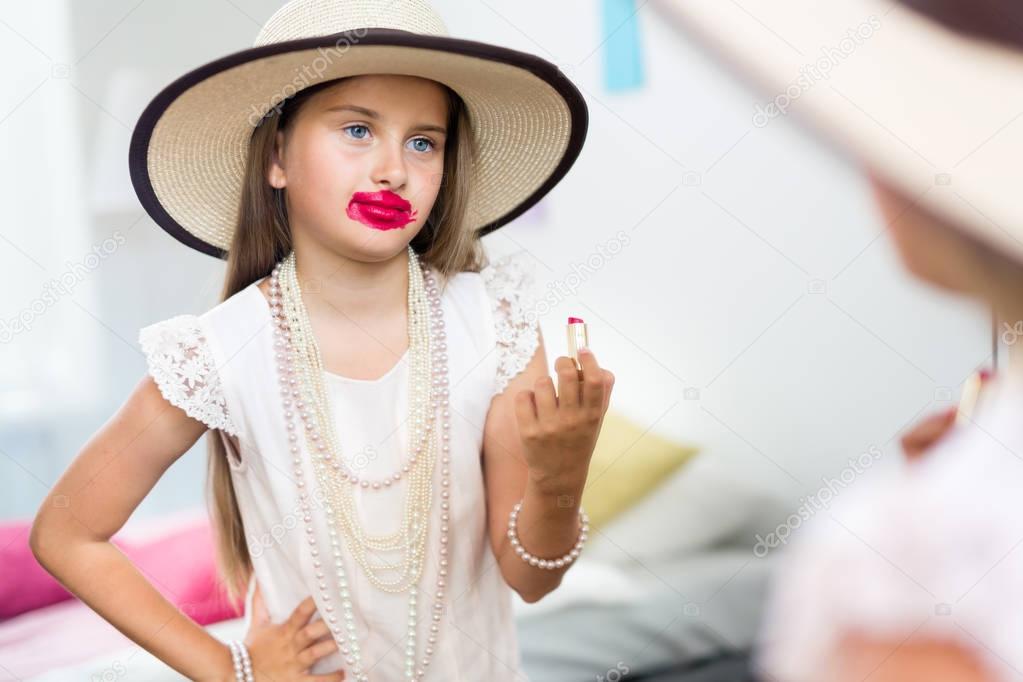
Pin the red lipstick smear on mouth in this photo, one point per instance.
(383, 210)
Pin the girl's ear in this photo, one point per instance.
(275, 175)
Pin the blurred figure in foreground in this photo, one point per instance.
(919, 577)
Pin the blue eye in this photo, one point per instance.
(357, 137)
(420, 140)
(423, 139)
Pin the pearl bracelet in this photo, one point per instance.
(242, 662)
(549, 564)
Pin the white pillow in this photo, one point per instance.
(587, 582)
(703, 504)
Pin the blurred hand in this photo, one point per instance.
(284, 652)
(927, 432)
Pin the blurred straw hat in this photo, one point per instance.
(927, 94)
(189, 147)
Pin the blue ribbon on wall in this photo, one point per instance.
(623, 66)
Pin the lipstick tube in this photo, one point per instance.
(577, 338)
(972, 393)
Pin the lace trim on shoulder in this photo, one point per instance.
(510, 283)
(183, 368)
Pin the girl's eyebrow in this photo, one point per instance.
(375, 115)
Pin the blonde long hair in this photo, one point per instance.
(263, 237)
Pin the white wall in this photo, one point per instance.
(731, 229)
(50, 340)
(734, 229)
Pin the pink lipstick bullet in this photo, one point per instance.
(577, 338)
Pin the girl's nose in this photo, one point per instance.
(389, 164)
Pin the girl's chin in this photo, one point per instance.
(382, 229)
(366, 243)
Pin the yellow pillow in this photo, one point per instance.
(627, 464)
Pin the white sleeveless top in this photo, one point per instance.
(219, 368)
(934, 550)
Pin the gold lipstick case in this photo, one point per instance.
(972, 393)
(577, 338)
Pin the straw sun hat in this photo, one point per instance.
(189, 148)
(935, 112)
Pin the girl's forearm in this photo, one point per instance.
(547, 526)
(106, 580)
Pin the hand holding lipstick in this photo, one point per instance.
(927, 432)
(559, 430)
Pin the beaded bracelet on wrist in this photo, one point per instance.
(242, 662)
(548, 564)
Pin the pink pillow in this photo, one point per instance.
(182, 567)
(180, 564)
(24, 584)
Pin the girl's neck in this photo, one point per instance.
(338, 285)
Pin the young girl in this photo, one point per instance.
(914, 576)
(389, 458)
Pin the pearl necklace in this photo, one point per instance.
(410, 537)
(295, 343)
(419, 397)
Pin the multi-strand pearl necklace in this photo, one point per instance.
(302, 387)
(338, 487)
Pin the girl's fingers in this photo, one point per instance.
(592, 379)
(310, 633)
(932, 428)
(927, 432)
(525, 412)
(302, 613)
(569, 393)
(546, 400)
(315, 652)
(609, 383)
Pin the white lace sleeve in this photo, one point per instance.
(511, 286)
(182, 365)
